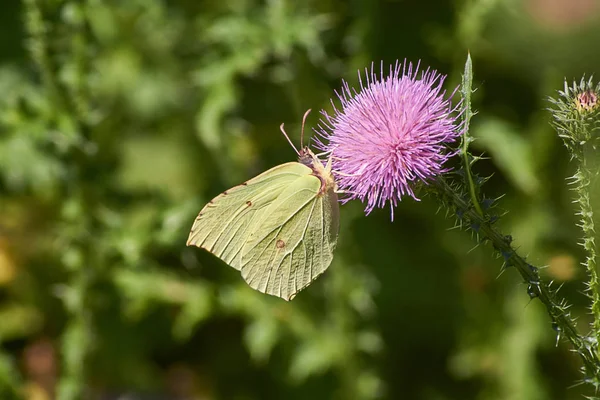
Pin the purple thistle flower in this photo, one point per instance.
(390, 134)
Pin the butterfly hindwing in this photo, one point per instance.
(293, 242)
(223, 225)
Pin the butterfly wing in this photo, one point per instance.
(293, 241)
(223, 226)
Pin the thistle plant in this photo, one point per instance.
(392, 137)
(576, 118)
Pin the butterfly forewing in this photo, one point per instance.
(224, 224)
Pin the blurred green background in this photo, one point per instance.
(119, 120)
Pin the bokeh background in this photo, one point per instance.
(120, 119)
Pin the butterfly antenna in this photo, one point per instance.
(288, 139)
(302, 132)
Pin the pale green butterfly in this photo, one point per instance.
(279, 229)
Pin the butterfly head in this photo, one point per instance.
(308, 158)
(323, 172)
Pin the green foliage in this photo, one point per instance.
(120, 119)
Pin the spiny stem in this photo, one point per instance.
(466, 90)
(583, 180)
(558, 312)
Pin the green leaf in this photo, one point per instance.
(510, 151)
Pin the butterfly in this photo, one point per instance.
(279, 229)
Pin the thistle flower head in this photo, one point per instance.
(576, 113)
(390, 134)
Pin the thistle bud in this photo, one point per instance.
(576, 114)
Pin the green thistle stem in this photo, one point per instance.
(558, 311)
(465, 91)
(582, 181)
